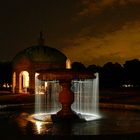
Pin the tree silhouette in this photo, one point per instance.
(132, 72)
(111, 75)
(5, 73)
(78, 66)
(94, 68)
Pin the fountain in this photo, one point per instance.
(66, 95)
(77, 105)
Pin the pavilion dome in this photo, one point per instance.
(31, 60)
(40, 53)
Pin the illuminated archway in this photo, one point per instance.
(14, 82)
(68, 64)
(23, 82)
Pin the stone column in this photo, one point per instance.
(17, 82)
(31, 82)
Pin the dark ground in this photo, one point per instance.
(122, 96)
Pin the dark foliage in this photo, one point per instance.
(111, 75)
(5, 73)
(78, 66)
(114, 75)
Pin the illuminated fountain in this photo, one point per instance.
(66, 95)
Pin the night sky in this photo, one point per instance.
(87, 31)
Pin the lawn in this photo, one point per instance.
(10, 98)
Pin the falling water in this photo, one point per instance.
(86, 97)
(53, 89)
(46, 97)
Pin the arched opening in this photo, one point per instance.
(14, 82)
(23, 82)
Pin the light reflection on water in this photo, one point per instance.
(112, 122)
(39, 127)
(17, 123)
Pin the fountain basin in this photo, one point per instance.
(64, 75)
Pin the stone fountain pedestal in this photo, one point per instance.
(66, 98)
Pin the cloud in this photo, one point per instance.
(105, 30)
(100, 17)
(117, 46)
(93, 7)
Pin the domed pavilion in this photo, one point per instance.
(32, 59)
